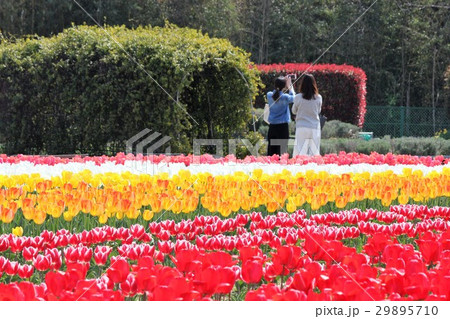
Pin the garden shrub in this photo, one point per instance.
(258, 118)
(416, 145)
(338, 129)
(254, 138)
(445, 134)
(381, 146)
(445, 148)
(343, 88)
(80, 92)
(405, 145)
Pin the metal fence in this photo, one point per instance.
(399, 121)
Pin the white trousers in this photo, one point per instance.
(307, 141)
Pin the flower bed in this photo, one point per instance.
(251, 257)
(337, 159)
(120, 197)
(261, 229)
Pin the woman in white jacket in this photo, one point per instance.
(307, 107)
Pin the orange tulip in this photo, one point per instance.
(39, 217)
(6, 214)
(341, 202)
(272, 207)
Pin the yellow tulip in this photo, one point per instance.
(68, 216)
(148, 215)
(102, 219)
(17, 231)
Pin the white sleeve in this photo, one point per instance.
(296, 105)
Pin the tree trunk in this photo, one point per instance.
(408, 110)
(33, 12)
(264, 39)
(433, 101)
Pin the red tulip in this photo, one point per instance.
(303, 280)
(135, 252)
(146, 279)
(248, 253)
(55, 258)
(71, 255)
(76, 272)
(294, 295)
(313, 245)
(376, 244)
(16, 244)
(252, 271)
(25, 271)
(264, 292)
(166, 247)
(78, 254)
(182, 244)
(418, 286)
(164, 235)
(29, 290)
(165, 293)
(129, 286)
(184, 289)
(56, 282)
(101, 254)
(37, 242)
(271, 271)
(159, 256)
(393, 280)
(47, 236)
(29, 253)
(11, 292)
(227, 280)
(42, 263)
(3, 264)
(86, 237)
(119, 269)
(187, 260)
(137, 231)
(288, 257)
(208, 280)
(220, 258)
(429, 247)
(4, 244)
(12, 267)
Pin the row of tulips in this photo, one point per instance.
(208, 231)
(251, 257)
(340, 159)
(112, 196)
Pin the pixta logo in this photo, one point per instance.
(147, 142)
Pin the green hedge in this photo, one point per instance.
(80, 92)
(338, 129)
(421, 146)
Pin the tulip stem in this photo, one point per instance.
(99, 272)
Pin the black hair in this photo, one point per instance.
(308, 87)
(280, 84)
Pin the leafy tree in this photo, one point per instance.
(403, 45)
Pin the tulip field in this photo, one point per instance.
(335, 227)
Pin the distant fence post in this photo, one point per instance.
(402, 120)
(399, 121)
(408, 118)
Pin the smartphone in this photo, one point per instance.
(292, 76)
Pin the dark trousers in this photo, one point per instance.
(278, 138)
